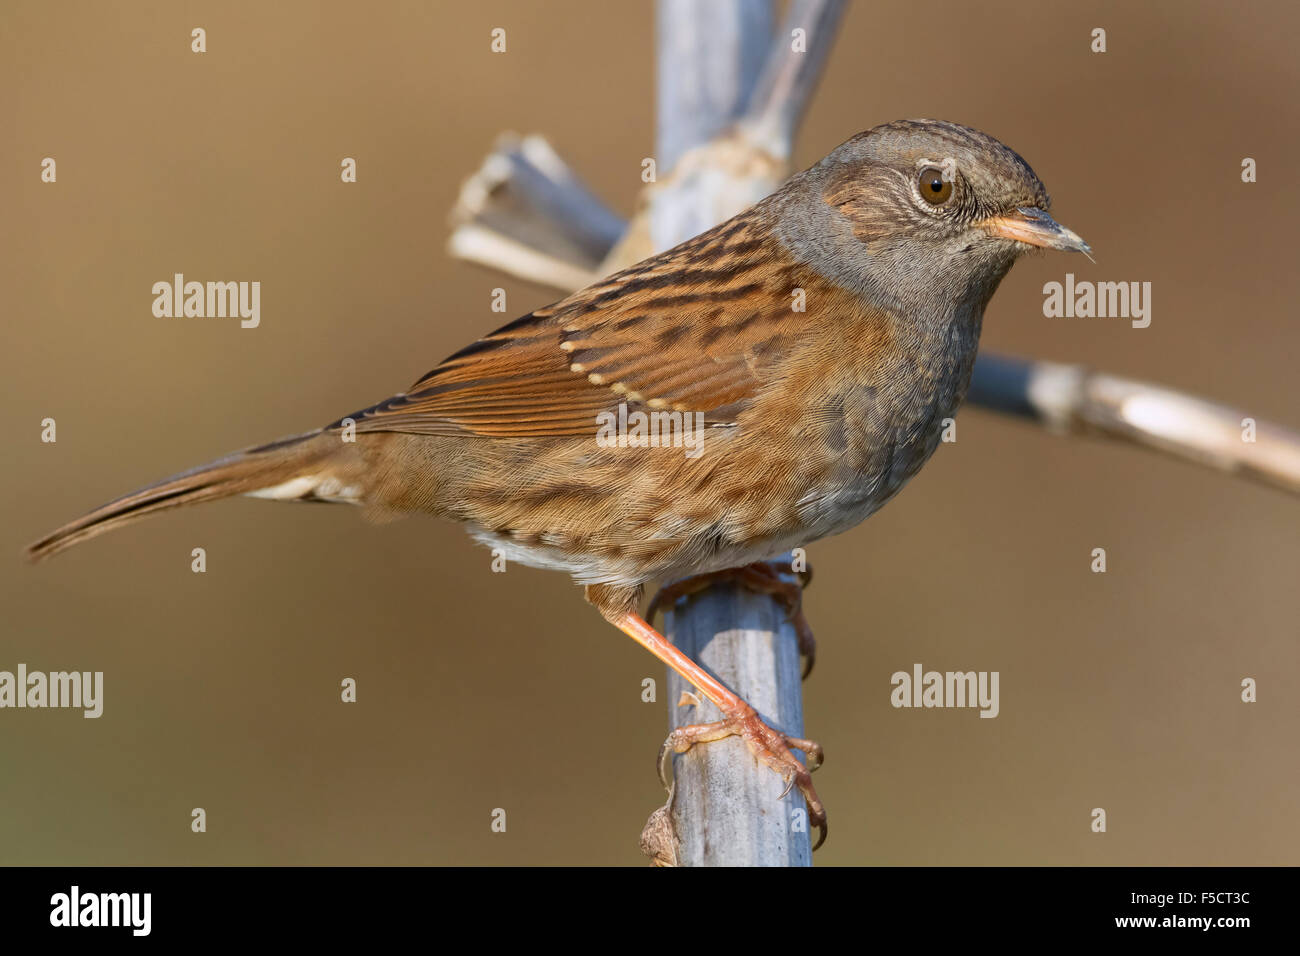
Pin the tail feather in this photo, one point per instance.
(251, 471)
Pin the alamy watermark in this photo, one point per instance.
(922, 688)
(653, 429)
(75, 908)
(1103, 300)
(208, 300)
(75, 689)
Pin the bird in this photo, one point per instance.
(798, 360)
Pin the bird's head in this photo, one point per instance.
(925, 212)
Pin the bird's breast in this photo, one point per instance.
(877, 415)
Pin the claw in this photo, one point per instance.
(768, 745)
(811, 748)
(822, 838)
(789, 784)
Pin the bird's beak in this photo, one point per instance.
(1037, 228)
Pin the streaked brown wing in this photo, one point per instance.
(687, 330)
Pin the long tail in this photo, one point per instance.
(310, 466)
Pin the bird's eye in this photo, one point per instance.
(933, 186)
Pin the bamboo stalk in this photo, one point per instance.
(726, 809)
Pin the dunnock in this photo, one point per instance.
(815, 343)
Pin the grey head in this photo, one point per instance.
(922, 217)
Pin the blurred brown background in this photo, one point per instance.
(481, 690)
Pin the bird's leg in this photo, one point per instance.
(761, 578)
(768, 745)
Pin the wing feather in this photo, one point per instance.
(665, 333)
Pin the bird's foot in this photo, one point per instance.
(770, 746)
(761, 578)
